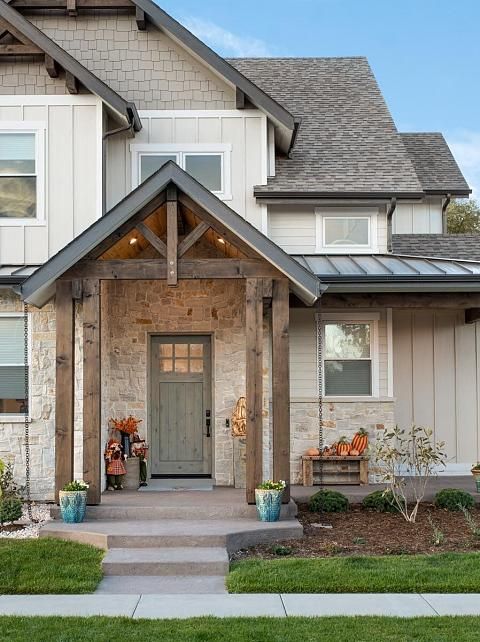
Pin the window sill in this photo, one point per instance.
(13, 419)
(360, 399)
(21, 222)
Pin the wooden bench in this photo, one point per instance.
(335, 470)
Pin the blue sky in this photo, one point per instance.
(424, 53)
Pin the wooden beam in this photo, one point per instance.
(51, 66)
(140, 19)
(281, 383)
(172, 235)
(91, 389)
(190, 240)
(254, 385)
(153, 239)
(239, 99)
(71, 83)
(65, 385)
(77, 289)
(72, 8)
(152, 269)
(20, 50)
(472, 315)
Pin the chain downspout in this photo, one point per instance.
(320, 391)
(26, 411)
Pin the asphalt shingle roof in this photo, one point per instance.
(452, 246)
(347, 140)
(434, 162)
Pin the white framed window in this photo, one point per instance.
(209, 164)
(350, 355)
(12, 366)
(341, 231)
(22, 173)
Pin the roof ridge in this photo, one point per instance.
(254, 58)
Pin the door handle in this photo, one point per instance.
(208, 422)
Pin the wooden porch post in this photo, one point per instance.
(91, 389)
(281, 383)
(64, 376)
(254, 384)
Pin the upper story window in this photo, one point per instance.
(12, 366)
(208, 164)
(340, 232)
(21, 173)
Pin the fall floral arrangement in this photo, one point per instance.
(128, 425)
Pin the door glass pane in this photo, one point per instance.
(196, 350)
(207, 169)
(18, 197)
(166, 350)
(348, 378)
(181, 350)
(346, 231)
(347, 340)
(149, 164)
(181, 365)
(196, 365)
(17, 153)
(166, 365)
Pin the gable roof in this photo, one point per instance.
(347, 141)
(40, 286)
(452, 246)
(434, 163)
(114, 101)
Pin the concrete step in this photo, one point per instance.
(151, 584)
(166, 561)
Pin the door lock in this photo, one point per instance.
(208, 422)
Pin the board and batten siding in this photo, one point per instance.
(418, 218)
(437, 377)
(72, 174)
(244, 130)
(303, 352)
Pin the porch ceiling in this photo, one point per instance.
(141, 216)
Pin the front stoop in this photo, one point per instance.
(175, 556)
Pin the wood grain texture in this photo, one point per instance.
(91, 389)
(172, 237)
(281, 383)
(254, 385)
(64, 390)
(153, 239)
(194, 236)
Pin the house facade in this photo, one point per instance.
(178, 231)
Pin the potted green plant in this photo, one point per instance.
(73, 502)
(476, 476)
(268, 499)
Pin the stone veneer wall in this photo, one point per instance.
(339, 418)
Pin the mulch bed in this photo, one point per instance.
(361, 532)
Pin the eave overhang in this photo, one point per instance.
(126, 111)
(40, 286)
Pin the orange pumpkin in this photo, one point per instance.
(360, 441)
(353, 453)
(312, 452)
(343, 447)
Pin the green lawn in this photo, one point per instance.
(48, 566)
(442, 573)
(365, 629)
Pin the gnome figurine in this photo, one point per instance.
(114, 458)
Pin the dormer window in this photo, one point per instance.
(208, 164)
(341, 232)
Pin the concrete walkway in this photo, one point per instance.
(244, 605)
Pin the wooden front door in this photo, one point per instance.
(181, 409)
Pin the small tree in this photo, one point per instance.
(407, 460)
(463, 217)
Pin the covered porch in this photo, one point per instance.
(172, 295)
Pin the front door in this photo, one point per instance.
(181, 421)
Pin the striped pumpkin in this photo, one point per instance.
(360, 441)
(343, 447)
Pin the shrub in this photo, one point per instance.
(328, 501)
(10, 510)
(453, 499)
(281, 550)
(381, 501)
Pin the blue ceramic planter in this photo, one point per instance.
(73, 505)
(269, 504)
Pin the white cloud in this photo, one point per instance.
(225, 42)
(465, 146)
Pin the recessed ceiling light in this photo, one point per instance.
(133, 240)
(220, 240)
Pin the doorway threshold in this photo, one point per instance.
(172, 484)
